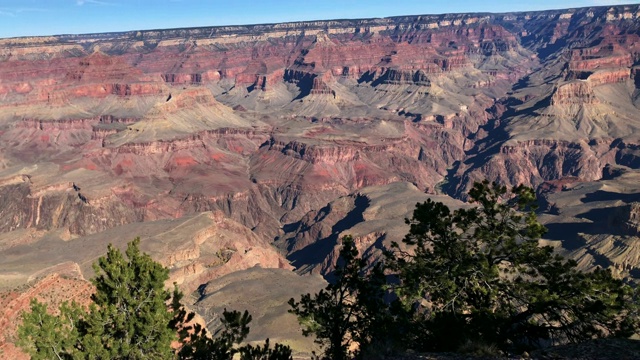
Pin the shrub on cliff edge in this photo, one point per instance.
(131, 318)
(479, 274)
(349, 317)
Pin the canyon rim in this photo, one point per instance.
(242, 154)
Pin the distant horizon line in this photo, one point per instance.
(316, 20)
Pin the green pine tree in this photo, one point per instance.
(46, 336)
(479, 275)
(131, 318)
(350, 311)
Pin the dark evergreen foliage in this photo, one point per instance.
(130, 319)
(479, 274)
(474, 275)
(45, 336)
(350, 311)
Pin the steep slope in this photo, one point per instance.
(264, 293)
(333, 106)
(572, 116)
(230, 147)
(373, 216)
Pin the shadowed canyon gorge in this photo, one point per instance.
(240, 153)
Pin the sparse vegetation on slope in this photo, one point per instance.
(472, 279)
(479, 275)
(349, 317)
(131, 318)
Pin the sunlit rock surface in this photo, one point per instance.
(229, 147)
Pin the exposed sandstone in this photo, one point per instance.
(52, 287)
(434, 60)
(579, 92)
(282, 131)
(610, 76)
(264, 293)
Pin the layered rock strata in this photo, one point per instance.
(290, 134)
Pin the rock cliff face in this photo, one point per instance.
(373, 216)
(282, 131)
(571, 117)
(264, 293)
(52, 287)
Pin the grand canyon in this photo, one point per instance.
(242, 154)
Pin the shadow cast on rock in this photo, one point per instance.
(320, 250)
(602, 195)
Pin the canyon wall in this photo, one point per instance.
(281, 130)
(231, 147)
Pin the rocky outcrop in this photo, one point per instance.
(100, 133)
(110, 119)
(631, 219)
(610, 77)
(159, 147)
(589, 62)
(261, 81)
(62, 283)
(52, 125)
(309, 83)
(221, 248)
(328, 154)
(400, 77)
(577, 92)
(533, 162)
(214, 143)
(627, 153)
(182, 78)
(62, 206)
